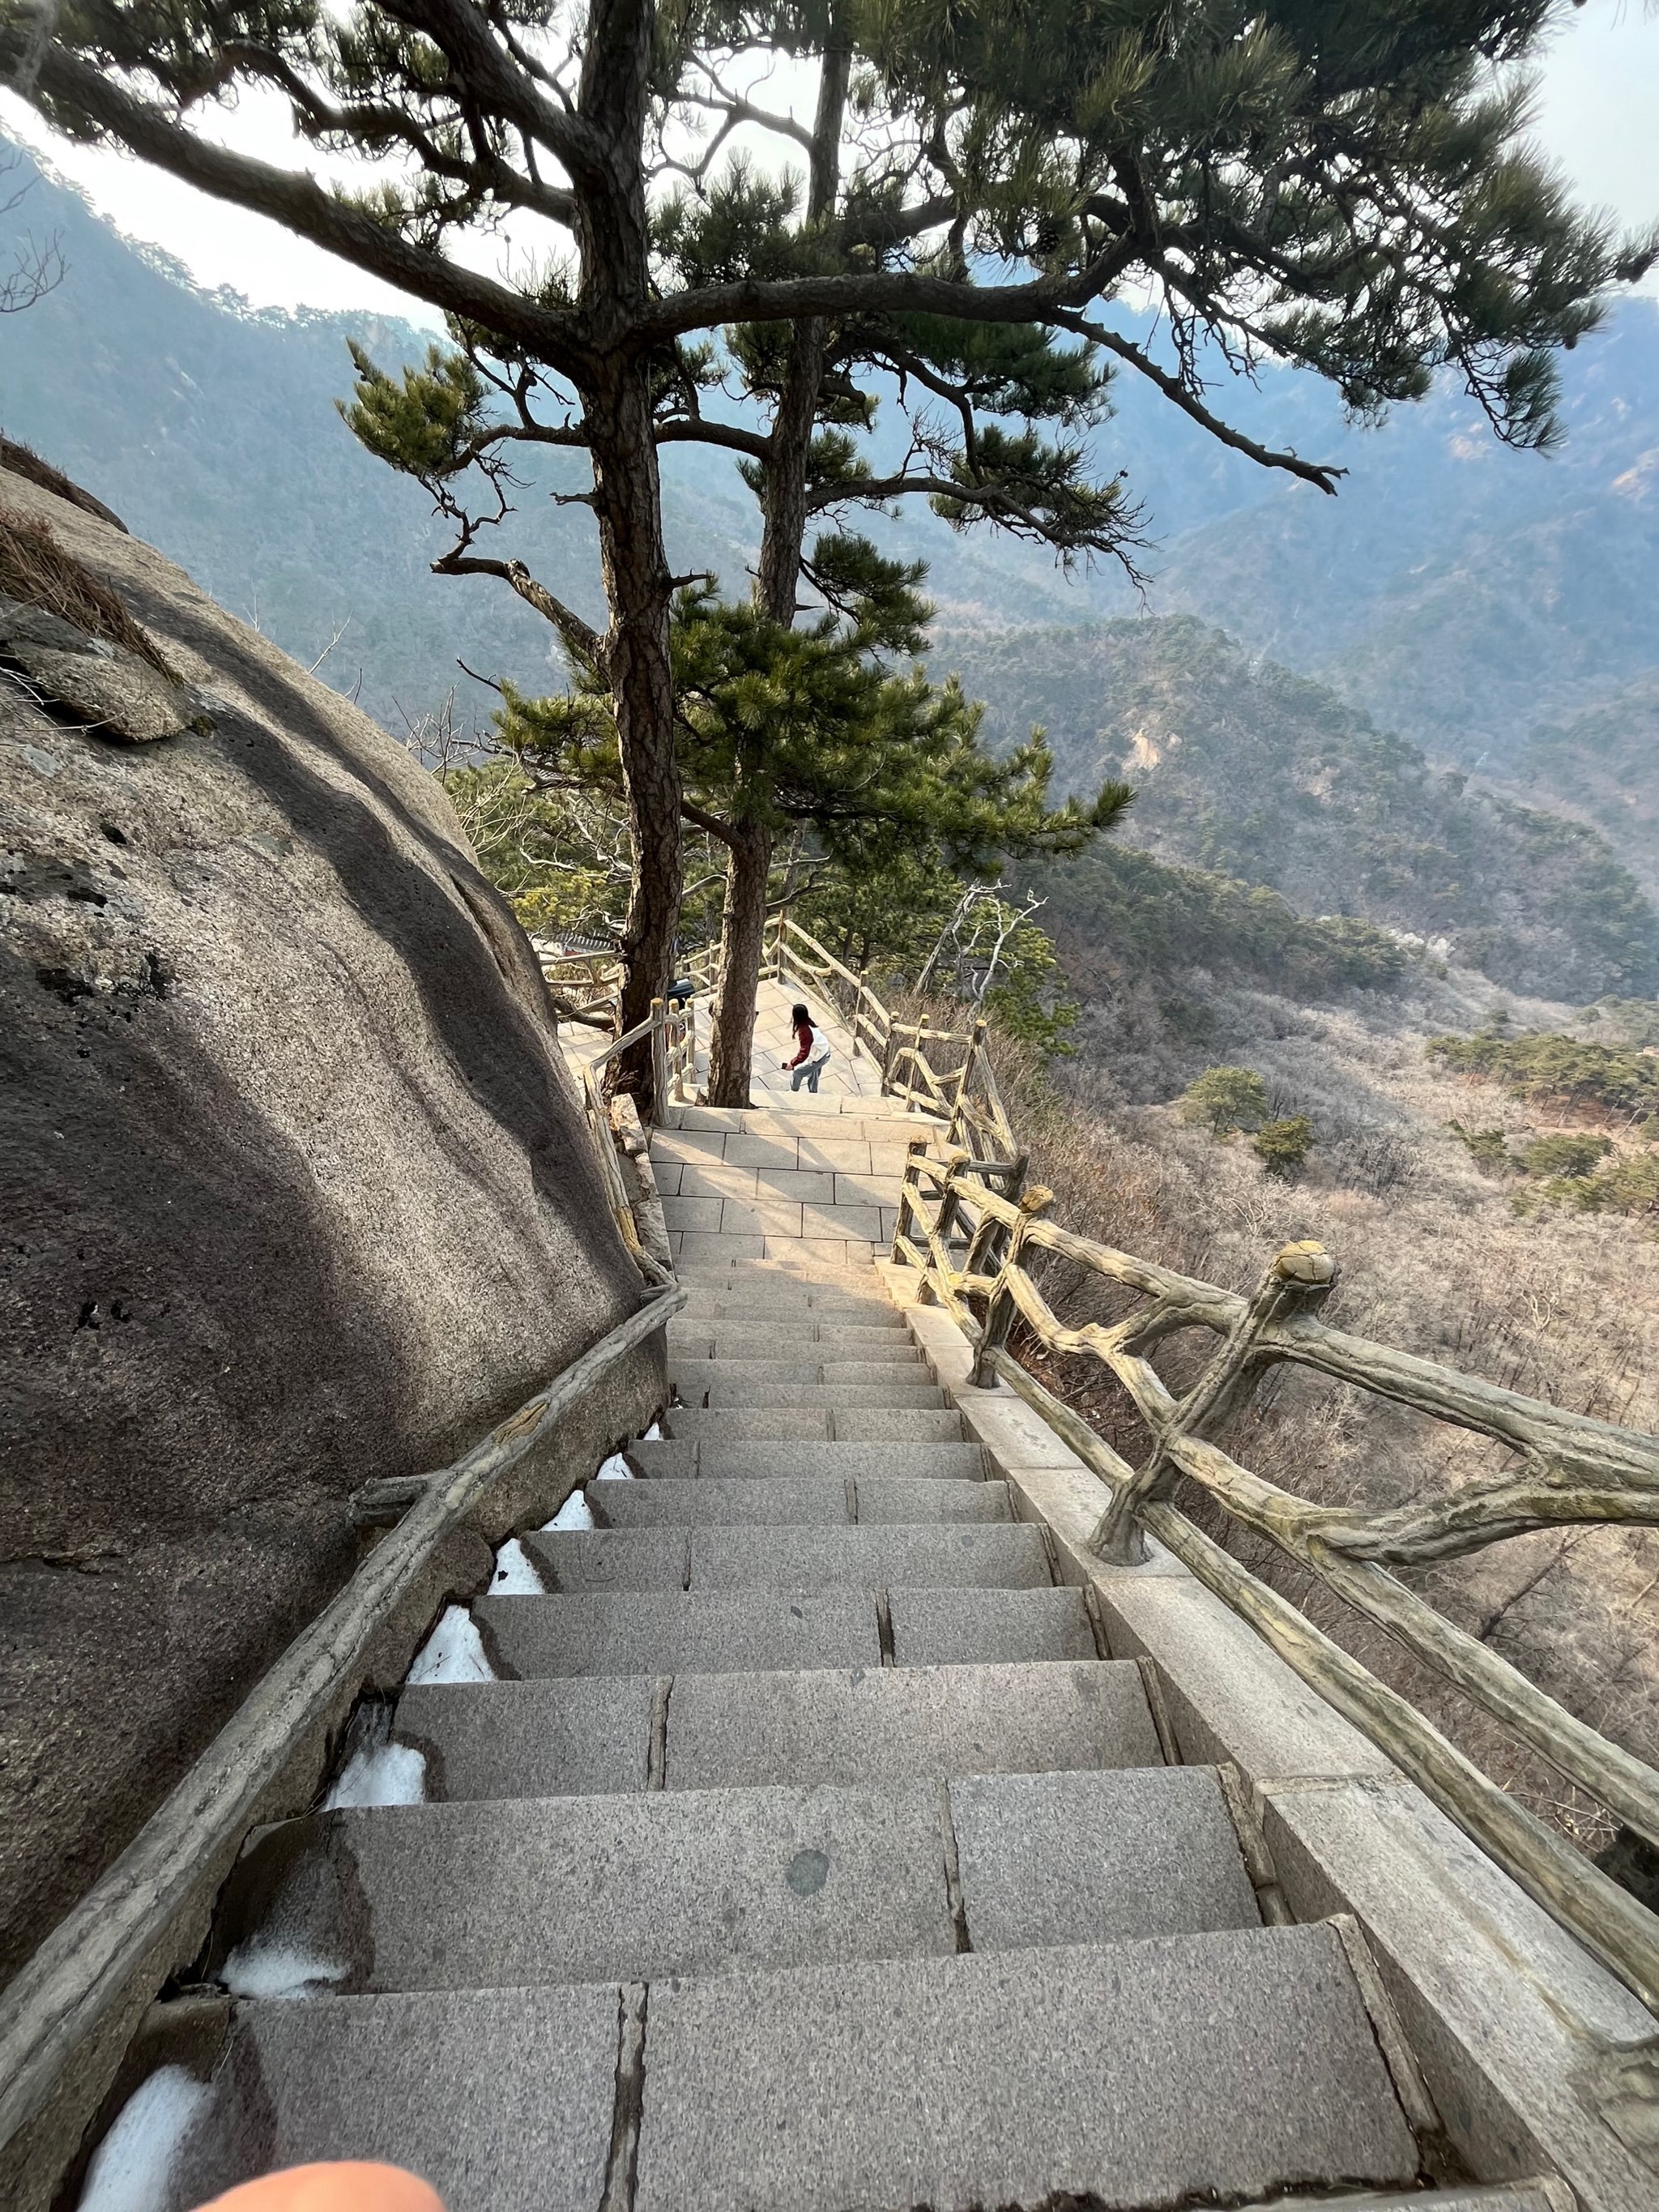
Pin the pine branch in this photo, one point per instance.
(581, 639)
(1323, 474)
(300, 203)
(501, 80)
(785, 299)
(700, 818)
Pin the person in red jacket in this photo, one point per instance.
(811, 1051)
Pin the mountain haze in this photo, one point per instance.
(1462, 594)
(1249, 772)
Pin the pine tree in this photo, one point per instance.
(801, 733)
(1344, 187)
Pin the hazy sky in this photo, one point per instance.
(1598, 116)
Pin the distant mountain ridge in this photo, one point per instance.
(1496, 609)
(1462, 594)
(1248, 771)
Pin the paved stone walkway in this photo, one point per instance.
(781, 1831)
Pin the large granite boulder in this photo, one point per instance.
(293, 1190)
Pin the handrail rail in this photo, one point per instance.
(968, 1240)
(964, 1097)
(86, 1969)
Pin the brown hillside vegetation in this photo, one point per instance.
(1432, 1259)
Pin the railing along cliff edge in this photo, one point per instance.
(967, 1223)
(91, 1978)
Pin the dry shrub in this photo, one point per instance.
(1563, 1308)
(37, 570)
(23, 461)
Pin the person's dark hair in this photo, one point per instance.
(798, 1014)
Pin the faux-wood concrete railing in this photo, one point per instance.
(71, 2009)
(972, 1240)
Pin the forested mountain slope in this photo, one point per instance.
(1601, 763)
(1462, 593)
(1249, 771)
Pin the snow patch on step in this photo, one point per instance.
(453, 1652)
(387, 1774)
(268, 1967)
(616, 1469)
(653, 1435)
(133, 2166)
(574, 1513)
(515, 1575)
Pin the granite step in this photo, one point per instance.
(917, 1556)
(1191, 2068)
(787, 1299)
(797, 1361)
(882, 1724)
(582, 1736)
(783, 1340)
(682, 1459)
(679, 1631)
(821, 1500)
(493, 1893)
(729, 1632)
(956, 1627)
(593, 1736)
(841, 1424)
(903, 1394)
(489, 1894)
(1225, 2066)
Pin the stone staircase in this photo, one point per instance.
(809, 1847)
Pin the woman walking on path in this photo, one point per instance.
(811, 1052)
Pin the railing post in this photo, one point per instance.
(989, 1236)
(659, 1058)
(1299, 1279)
(1001, 1311)
(901, 1227)
(951, 1204)
(858, 1010)
(887, 1057)
(975, 1043)
(684, 1051)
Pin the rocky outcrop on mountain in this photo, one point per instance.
(295, 1191)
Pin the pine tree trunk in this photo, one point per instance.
(777, 578)
(636, 582)
(743, 947)
(612, 239)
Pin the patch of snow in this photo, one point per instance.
(390, 1774)
(132, 2166)
(515, 1573)
(574, 1513)
(453, 1652)
(653, 1435)
(267, 1967)
(616, 1469)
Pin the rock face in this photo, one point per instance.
(294, 1191)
